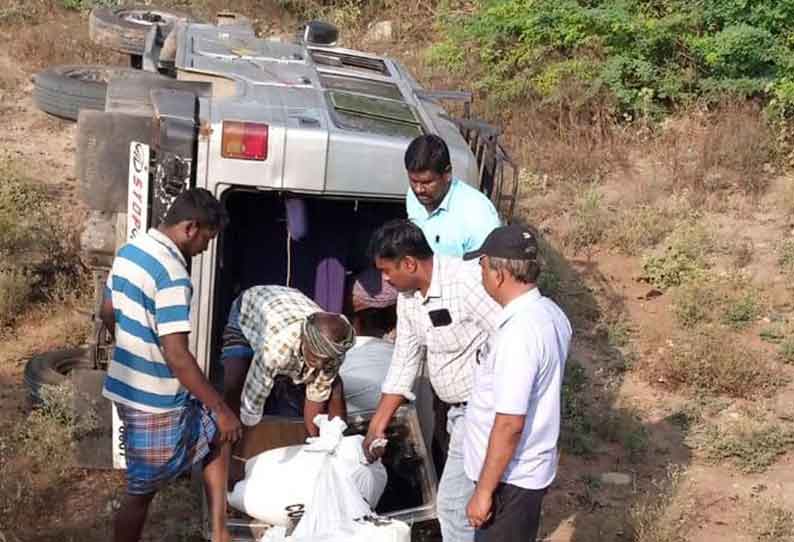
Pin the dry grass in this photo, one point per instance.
(35, 44)
(711, 360)
(29, 449)
(39, 252)
(713, 151)
(660, 516)
(566, 143)
(589, 220)
(636, 229)
(751, 438)
(769, 522)
(731, 300)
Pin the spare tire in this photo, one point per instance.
(53, 368)
(65, 90)
(124, 29)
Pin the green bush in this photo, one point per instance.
(39, 253)
(646, 55)
(742, 311)
(684, 257)
(87, 4)
(752, 441)
(576, 432)
(694, 302)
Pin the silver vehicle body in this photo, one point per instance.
(310, 150)
(338, 123)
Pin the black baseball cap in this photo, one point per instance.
(513, 242)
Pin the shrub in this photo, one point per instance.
(786, 255)
(625, 428)
(38, 252)
(684, 258)
(787, 350)
(774, 334)
(723, 148)
(618, 333)
(648, 56)
(771, 523)
(714, 362)
(589, 221)
(15, 291)
(742, 311)
(657, 516)
(752, 442)
(87, 4)
(576, 432)
(639, 228)
(694, 302)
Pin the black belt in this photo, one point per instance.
(458, 405)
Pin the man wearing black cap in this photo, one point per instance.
(513, 419)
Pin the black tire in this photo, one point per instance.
(52, 369)
(64, 91)
(124, 29)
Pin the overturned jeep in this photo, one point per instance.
(303, 141)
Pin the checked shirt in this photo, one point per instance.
(271, 318)
(450, 351)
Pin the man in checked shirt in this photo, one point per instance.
(278, 342)
(443, 317)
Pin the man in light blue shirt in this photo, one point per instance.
(454, 216)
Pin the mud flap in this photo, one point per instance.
(94, 448)
(103, 156)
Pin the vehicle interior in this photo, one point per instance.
(313, 244)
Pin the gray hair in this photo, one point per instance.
(525, 271)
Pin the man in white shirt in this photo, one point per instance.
(443, 317)
(513, 419)
(372, 304)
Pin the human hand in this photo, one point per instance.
(229, 425)
(374, 450)
(479, 508)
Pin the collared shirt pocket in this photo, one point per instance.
(452, 339)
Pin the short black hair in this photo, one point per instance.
(428, 153)
(200, 205)
(397, 239)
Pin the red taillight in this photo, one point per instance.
(244, 140)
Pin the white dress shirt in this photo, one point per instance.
(520, 372)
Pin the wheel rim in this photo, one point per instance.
(146, 17)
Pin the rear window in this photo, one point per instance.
(342, 60)
(376, 115)
(361, 86)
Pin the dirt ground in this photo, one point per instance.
(670, 487)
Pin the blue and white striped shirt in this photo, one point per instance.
(150, 289)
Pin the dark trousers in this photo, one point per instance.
(516, 515)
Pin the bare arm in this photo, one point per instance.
(310, 410)
(337, 408)
(502, 444)
(387, 406)
(186, 370)
(107, 316)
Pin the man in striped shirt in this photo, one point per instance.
(173, 418)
